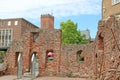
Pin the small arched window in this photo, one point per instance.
(35, 37)
(79, 56)
(50, 55)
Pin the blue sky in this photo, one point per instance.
(86, 13)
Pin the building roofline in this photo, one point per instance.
(47, 15)
(29, 22)
(20, 19)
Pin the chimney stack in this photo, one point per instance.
(47, 21)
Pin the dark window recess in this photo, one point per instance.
(35, 37)
(79, 56)
(16, 59)
(100, 43)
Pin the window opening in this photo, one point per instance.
(9, 23)
(115, 2)
(100, 43)
(16, 23)
(2, 55)
(79, 56)
(50, 55)
(35, 37)
(16, 59)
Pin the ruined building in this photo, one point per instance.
(28, 43)
(42, 49)
(12, 29)
(106, 51)
(97, 60)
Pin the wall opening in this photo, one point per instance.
(100, 43)
(2, 55)
(35, 37)
(80, 57)
(50, 55)
(36, 55)
(34, 65)
(16, 59)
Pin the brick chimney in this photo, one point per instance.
(47, 21)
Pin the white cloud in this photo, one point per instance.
(34, 8)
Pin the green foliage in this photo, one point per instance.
(2, 53)
(1, 61)
(70, 34)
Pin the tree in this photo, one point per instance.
(70, 34)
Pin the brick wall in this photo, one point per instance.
(107, 61)
(69, 61)
(101, 57)
(47, 21)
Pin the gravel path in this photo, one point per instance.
(39, 78)
(9, 77)
(58, 78)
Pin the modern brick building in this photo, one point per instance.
(28, 39)
(110, 7)
(12, 29)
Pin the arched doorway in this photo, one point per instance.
(34, 65)
(18, 63)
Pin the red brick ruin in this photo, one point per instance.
(101, 57)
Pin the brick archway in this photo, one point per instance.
(34, 66)
(30, 59)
